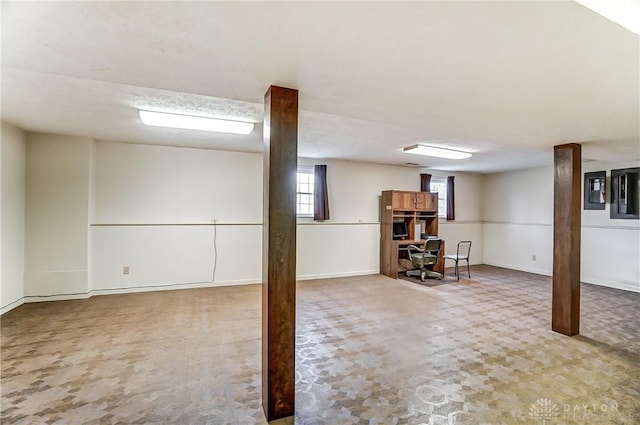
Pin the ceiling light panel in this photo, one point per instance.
(189, 122)
(437, 152)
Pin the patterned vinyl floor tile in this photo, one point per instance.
(369, 351)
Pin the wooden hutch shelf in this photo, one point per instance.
(418, 210)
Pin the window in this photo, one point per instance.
(304, 192)
(439, 184)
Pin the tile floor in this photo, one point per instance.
(370, 350)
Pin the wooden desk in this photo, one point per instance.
(390, 261)
(416, 213)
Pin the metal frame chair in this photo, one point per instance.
(423, 258)
(462, 253)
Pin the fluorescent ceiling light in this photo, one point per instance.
(437, 152)
(189, 122)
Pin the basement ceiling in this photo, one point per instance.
(504, 80)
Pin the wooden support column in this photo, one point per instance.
(567, 166)
(279, 252)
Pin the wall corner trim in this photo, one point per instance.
(7, 308)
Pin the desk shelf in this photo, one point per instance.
(414, 208)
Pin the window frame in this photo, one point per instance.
(442, 194)
(308, 170)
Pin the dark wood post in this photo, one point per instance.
(279, 252)
(565, 316)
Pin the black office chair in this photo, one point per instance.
(423, 259)
(462, 253)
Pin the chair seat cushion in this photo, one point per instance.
(423, 257)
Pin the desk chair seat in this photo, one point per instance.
(462, 253)
(423, 259)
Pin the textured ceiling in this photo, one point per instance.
(506, 81)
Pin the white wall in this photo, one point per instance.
(350, 242)
(610, 248)
(518, 218)
(153, 209)
(94, 207)
(468, 224)
(181, 217)
(156, 185)
(56, 219)
(12, 165)
(518, 215)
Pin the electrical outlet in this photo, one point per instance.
(533, 257)
(126, 269)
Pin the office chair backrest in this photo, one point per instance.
(433, 245)
(464, 247)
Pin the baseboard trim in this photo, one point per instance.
(56, 297)
(614, 285)
(136, 289)
(521, 269)
(333, 275)
(171, 287)
(7, 308)
(128, 290)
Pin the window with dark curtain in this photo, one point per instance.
(320, 194)
(425, 182)
(451, 203)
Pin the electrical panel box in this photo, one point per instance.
(625, 194)
(594, 190)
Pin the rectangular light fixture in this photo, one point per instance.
(189, 122)
(436, 151)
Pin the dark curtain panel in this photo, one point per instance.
(320, 194)
(425, 182)
(451, 200)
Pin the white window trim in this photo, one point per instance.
(441, 195)
(303, 169)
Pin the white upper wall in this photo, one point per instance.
(355, 189)
(524, 196)
(12, 153)
(469, 196)
(155, 184)
(518, 228)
